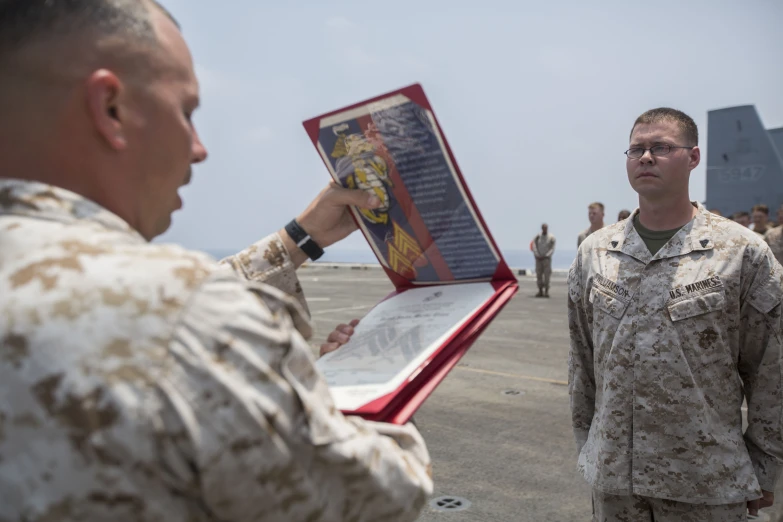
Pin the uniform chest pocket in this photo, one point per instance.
(696, 306)
(606, 315)
(701, 327)
(607, 303)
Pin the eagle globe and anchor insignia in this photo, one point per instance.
(360, 163)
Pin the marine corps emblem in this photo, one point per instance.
(362, 168)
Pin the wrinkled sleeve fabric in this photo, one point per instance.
(761, 367)
(581, 378)
(536, 253)
(254, 428)
(268, 261)
(550, 248)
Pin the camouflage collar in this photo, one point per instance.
(694, 236)
(39, 200)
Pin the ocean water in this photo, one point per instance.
(514, 258)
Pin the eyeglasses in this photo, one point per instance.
(657, 150)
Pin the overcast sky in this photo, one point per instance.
(535, 98)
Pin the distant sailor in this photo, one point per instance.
(543, 249)
(595, 213)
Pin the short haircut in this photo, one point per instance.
(686, 124)
(740, 214)
(761, 208)
(27, 21)
(596, 204)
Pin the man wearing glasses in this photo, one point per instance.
(675, 318)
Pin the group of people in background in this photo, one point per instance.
(758, 220)
(543, 244)
(595, 214)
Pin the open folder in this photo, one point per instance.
(449, 276)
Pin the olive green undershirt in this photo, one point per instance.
(654, 239)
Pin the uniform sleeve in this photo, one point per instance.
(253, 429)
(760, 366)
(551, 250)
(268, 261)
(581, 380)
(535, 247)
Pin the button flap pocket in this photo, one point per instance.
(696, 305)
(608, 303)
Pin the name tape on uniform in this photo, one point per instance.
(705, 284)
(612, 286)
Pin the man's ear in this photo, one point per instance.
(104, 94)
(695, 158)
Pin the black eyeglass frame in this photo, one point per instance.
(666, 146)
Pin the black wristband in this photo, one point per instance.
(303, 240)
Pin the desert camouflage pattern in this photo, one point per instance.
(267, 261)
(663, 350)
(145, 382)
(627, 508)
(582, 236)
(544, 245)
(543, 249)
(774, 238)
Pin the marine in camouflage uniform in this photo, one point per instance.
(595, 214)
(543, 250)
(140, 381)
(774, 238)
(670, 331)
(147, 382)
(582, 236)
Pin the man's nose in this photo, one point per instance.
(199, 150)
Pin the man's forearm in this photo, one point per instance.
(272, 262)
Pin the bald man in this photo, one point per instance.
(147, 382)
(543, 250)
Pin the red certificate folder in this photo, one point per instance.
(450, 277)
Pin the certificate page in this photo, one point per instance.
(426, 229)
(393, 340)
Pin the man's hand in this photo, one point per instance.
(327, 219)
(341, 335)
(766, 501)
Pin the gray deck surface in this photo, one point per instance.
(511, 456)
